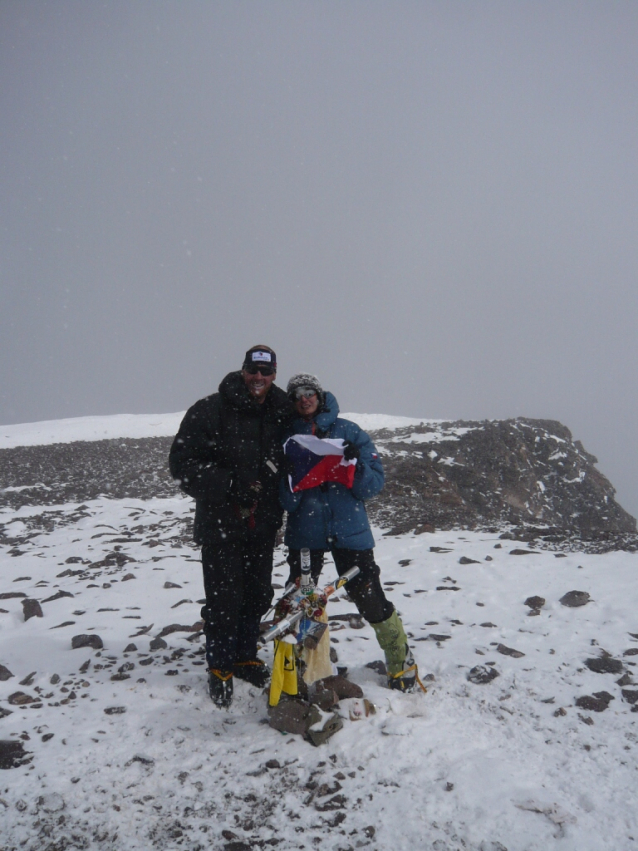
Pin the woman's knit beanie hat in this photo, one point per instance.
(304, 379)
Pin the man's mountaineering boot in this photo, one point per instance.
(255, 672)
(220, 687)
(402, 669)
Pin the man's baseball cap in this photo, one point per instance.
(260, 355)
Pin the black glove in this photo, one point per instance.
(244, 492)
(350, 451)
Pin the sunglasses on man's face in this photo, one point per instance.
(254, 368)
(306, 392)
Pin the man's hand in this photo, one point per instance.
(245, 493)
(350, 451)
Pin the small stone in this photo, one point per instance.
(591, 703)
(378, 666)
(94, 641)
(51, 803)
(604, 665)
(5, 674)
(55, 679)
(115, 710)
(466, 560)
(489, 625)
(47, 737)
(32, 609)
(343, 687)
(28, 680)
(158, 644)
(560, 712)
(128, 576)
(535, 602)
(480, 675)
(171, 585)
(633, 651)
(84, 667)
(509, 651)
(625, 680)
(130, 648)
(630, 695)
(127, 666)
(520, 552)
(20, 698)
(13, 755)
(574, 599)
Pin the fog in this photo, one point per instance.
(432, 206)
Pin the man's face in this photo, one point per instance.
(258, 385)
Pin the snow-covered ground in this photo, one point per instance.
(125, 750)
(465, 766)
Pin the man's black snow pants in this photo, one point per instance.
(237, 584)
(364, 590)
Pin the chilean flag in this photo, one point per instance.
(316, 461)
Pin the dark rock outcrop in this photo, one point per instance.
(522, 473)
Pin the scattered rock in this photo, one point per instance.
(158, 644)
(343, 687)
(144, 760)
(13, 754)
(4, 712)
(28, 680)
(11, 595)
(604, 665)
(480, 675)
(519, 552)
(130, 648)
(51, 803)
(535, 602)
(115, 710)
(574, 599)
(55, 679)
(509, 651)
(489, 625)
(5, 674)
(625, 680)
(128, 576)
(94, 641)
(20, 698)
(466, 560)
(633, 651)
(591, 703)
(58, 596)
(171, 585)
(32, 609)
(630, 695)
(176, 627)
(378, 666)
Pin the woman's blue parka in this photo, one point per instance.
(333, 515)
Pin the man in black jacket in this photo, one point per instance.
(227, 455)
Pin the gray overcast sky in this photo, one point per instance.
(431, 205)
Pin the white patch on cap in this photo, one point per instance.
(261, 357)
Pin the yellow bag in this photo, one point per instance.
(284, 672)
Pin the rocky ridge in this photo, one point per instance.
(527, 478)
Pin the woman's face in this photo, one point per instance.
(306, 406)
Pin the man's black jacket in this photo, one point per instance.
(227, 436)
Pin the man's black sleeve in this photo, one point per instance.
(194, 459)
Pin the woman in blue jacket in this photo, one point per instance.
(333, 517)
